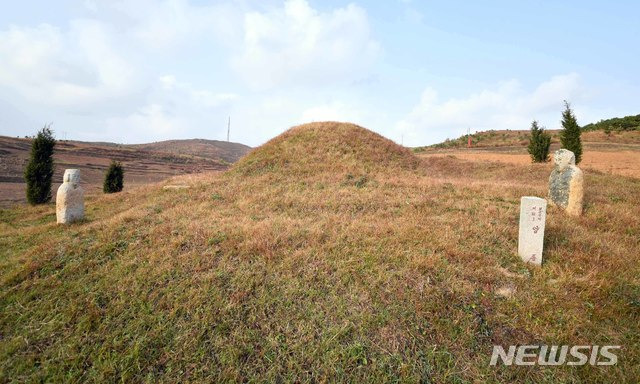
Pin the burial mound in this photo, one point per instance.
(323, 147)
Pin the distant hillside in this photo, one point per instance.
(144, 163)
(618, 130)
(627, 123)
(519, 138)
(211, 149)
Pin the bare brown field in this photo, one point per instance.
(622, 162)
(211, 149)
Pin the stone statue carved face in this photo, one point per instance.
(71, 176)
(563, 158)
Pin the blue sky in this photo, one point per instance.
(415, 71)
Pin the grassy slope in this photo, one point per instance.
(343, 263)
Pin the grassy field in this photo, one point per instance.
(328, 254)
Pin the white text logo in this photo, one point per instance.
(555, 355)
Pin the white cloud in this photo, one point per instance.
(108, 68)
(201, 97)
(96, 41)
(298, 44)
(149, 121)
(105, 67)
(14, 121)
(148, 70)
(173, 110)
(507, 106)
(335, 111)
(163, 24)
(73, 68)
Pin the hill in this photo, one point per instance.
(520, 138)
(619, 130)
(211, 149)
(285, 269)
(627, 123)
(143, 163)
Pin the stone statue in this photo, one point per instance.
(70, 198)
(566, 183)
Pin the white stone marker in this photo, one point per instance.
(70, 198)
(533, 215)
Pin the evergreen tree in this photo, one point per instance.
(39, 171)
(539, 144)
(570, 133)
(114, 178)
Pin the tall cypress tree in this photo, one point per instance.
(39, 171)
(539, 144)
(570, 133)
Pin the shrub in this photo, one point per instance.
(39, 171)
(114, 178)
(570, 133)
(539, 144)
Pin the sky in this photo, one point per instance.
(417, 72)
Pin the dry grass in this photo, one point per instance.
(329, 254)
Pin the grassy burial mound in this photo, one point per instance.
(327, 254)
(326, 148)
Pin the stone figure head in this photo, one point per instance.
(71, 176)
(563, 158)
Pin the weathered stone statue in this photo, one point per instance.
(566, 183)
(70, 198)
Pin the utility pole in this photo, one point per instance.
(228, 128)
(469, 137)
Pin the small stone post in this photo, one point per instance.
(533, 215)
(70, 198)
